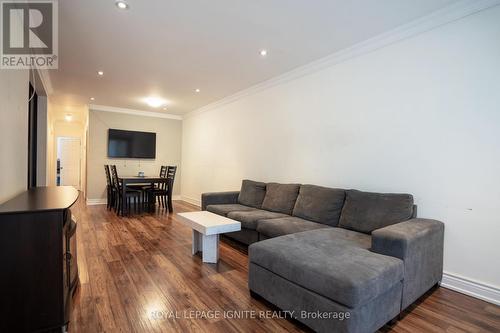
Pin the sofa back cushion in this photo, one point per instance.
(319, 204)
(280, 198)
(252, 193)
(365, 211)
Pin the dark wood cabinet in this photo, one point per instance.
(38, 267)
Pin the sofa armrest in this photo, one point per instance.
(400, 239)
(419, 243)
(218, 198)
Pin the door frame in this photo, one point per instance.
(79, 154)
(32, 136)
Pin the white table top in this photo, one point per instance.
(209, 223)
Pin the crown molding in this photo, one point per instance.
(429, 22)
(40, 79)
(133, 112)
(46, 81)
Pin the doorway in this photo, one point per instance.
(68, 162)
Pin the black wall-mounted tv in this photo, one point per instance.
(131, 144)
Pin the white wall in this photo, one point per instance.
(420, 116)
(13, 132)
(168, 148)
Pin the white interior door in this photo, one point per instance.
(68, 152)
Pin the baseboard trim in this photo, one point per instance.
(192, 201)
(472, 288)
(93, 202)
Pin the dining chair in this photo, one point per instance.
(142, 188)
(171, 171)
(165, 190)
(158, 190)
(110, 189)
(129, 194)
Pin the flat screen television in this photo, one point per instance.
(131, 144)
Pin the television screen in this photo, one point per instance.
(131, 144)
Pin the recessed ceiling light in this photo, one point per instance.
(155, 102)
(197, 90)
(100, 73)
(121, 5)
(68, 117)
(263, 53)
(92, 98)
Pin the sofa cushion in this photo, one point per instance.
(286, 225)
(249, 219)
(319, 204)
(280, 197)
(252, 193)
(227, 208)
(366, 211)
(329, 265)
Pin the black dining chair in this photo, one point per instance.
(171, 171)
(129, 194)
(110, 189)
(142, 189)
(148, 198)
(156, 190)
(163, 190)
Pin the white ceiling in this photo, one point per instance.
(169, 48)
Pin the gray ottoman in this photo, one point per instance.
(329, 278)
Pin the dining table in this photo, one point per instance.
(146, 180)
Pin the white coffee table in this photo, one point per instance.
(206, 229)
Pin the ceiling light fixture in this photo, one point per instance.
(263, 53)
(100, 73)
(197, 90)
(121, 4)
(92, 98)
(155, 102)
(68, 117)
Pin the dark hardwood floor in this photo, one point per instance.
(137, 275)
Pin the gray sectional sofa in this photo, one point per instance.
(341, 260)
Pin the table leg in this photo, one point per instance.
(124, 196)
(210, 248)
(197, 242)
(150, 198)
